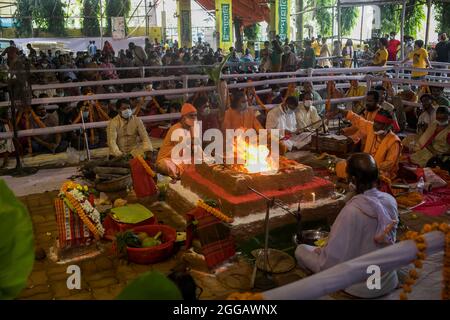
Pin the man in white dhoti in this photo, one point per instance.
(308, 119)
(283, 118)
(368, 222)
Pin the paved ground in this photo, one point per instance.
(104, 276)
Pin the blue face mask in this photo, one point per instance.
(85, 115)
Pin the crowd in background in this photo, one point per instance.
(275, 56)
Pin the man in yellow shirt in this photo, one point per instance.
(315, 44)
(381, 56)
(356, 90)
(419, 59)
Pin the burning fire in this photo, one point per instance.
(254, 158)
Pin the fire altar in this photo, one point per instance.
(229, 185)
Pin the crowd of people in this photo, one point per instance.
(273, 57)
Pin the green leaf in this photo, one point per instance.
(151, 286)
(16, 244)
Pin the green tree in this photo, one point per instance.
(22, 18)
(252, 32)
(116, 8)
(414, 18)
(442, 10)
(91, 14)
(49, 16)
(349, 18)
(323, 17)
(390, 18)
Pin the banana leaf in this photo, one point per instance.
(216, 72)
(16, 244)
(151, 286)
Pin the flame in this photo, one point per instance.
(256, 158)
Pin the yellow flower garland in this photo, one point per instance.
(419, 239)
(217, 213)
(146, 166)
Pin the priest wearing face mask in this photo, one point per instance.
(433, 146)
(184, 129)
(308, 118)
(381, 142)
(240, 116)
(369, 114)
(126, 132)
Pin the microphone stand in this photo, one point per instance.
(272, 202)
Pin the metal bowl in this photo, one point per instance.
(311, 236)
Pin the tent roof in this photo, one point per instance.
(250, 11)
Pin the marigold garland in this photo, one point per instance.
(419, 239)
(245, 296)
(215, 212)
(146, 166)
(66, 192)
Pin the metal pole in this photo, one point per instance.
(146, 18)
(402, 31)
(339, 20)
(427, 30)
(101, 24)
(362, 24)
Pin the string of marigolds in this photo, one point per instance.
(147, 168)
(215, 212)
(421, 245)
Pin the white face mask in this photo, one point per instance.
(127, 113)
(442, 123)
(380, 132)
(244, 106)
(308, 103)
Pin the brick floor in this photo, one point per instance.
(103, 277)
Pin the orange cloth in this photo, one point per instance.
(386, 152)
(187, 108)
(246, 120)
(353, 132)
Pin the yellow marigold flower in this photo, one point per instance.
(403, 296)
(426, 228)
(407, 288)
(421, 255)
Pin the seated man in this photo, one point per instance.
(308, 118)
(381, 142)
(124, 130)
(308, 88)
(164, 162)
(428, 115)
(356, 90)
(283, 118)
(369, 114)
(368, 222)
(433, 146)
(52, 143)
(240, 115)
(410, 111)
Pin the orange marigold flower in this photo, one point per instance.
(418, 264)
(410, 281)
(421, 255)
(407, 288)
(421, 246)
(420, 239)
(403, 296)
(426, 228)
(443, 227)
(435, 225)
(413, 274)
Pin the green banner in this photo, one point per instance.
(283, 10)
(226, 22)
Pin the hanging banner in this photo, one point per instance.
(155, 33)
(184, 23)
(118, 28)
(282, 18)
(224, 18)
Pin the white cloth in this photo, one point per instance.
(352, 235)
(307, 117)
(6, 145)
(427, 118)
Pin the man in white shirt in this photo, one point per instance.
(308, 119)
(283, 118)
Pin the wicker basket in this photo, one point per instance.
(115, 185)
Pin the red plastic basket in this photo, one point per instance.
(112, 227)
(157, 253)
